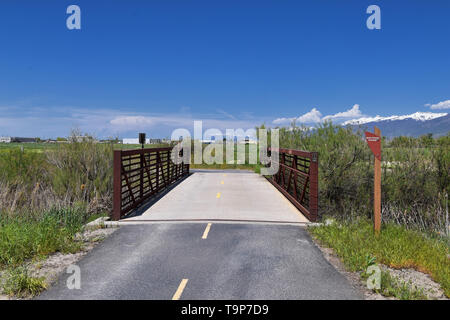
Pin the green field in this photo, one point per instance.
(40, 147)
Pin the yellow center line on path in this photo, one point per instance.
(180, 289)
(218, 195)
(205, 234)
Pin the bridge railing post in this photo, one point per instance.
(314, 186)
(117, 185)
(141, 177)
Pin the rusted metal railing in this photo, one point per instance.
(141, 174)
(298, 179)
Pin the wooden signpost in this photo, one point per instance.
(374, 142)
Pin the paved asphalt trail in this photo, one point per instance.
(235, 261)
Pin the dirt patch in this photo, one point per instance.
(418, 280)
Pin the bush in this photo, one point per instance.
(82, 172)
(71, 174)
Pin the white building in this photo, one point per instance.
(134, 141)
(147, 141)
(5, 139)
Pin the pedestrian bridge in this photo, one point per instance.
(149, 187)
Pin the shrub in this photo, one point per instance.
(81, 171)
(70, 174)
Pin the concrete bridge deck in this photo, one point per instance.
(222, 195)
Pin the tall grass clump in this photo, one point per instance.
(23, 237)
(71, 174)
(81, 171)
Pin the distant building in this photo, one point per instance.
(81, 139)
(132, 141)
(136, 141)
(155, 141)
(17, 139)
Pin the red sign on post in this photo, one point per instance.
(374, 143)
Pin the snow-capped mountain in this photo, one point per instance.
(419, 116)
(414, 125)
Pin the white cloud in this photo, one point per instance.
(226, 114)
(134, 121)
(315, 116)
(440, 105)
(354, 112)
(312, 116)
(309, 117)
(283, 120)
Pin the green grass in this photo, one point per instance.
(25, 238)
(225, 165)
(19, 283)
(41, 147)
(35, 147)
(396, 247)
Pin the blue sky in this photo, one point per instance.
(154, 66)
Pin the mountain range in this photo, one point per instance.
(413, 125)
